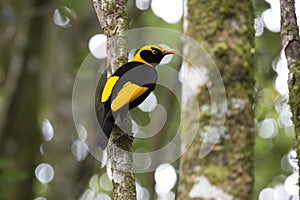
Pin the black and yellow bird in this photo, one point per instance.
(128, 87)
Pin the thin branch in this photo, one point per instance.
(290, 32)
(291, 45)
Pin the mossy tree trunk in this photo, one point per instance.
(225, 30)
(291, 46)
(114, 22)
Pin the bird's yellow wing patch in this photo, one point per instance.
(127, 94)
(110, 83)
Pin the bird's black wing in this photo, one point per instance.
(135, 84)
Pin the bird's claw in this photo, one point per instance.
(126, 135)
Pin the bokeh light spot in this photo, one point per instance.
(149, 103)
(165, 178)
(169, 196)
(271, 16)
(292, 156)
(141, 192)
(44, 173)
(40, 198)
(47, 130)
(94, 183)
(101, 196)
(291, 184)
(266, 194)
(82, 133)
(169, 10)
(258, 26)
(285, 117)
(142, 159)
(79, 150)
(62, 17)
(97, 46)
(105, 182)
(87, 195)
(267, 128)
(142, 4)
(285, 164)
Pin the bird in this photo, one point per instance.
(128, 87)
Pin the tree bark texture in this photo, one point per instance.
(225, 30)
(113, 20)
(291, 45)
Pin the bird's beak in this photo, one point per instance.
(170, 51)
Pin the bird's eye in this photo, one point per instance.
(154, 52)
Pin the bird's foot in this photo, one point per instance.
(124, 136)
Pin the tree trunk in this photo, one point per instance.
(291, 46)
(113, 20)
(225, 30)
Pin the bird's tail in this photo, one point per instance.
(105, 130)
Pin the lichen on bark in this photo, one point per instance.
(291, 45)
(225, 30)
(113, 20)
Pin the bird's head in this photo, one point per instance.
(151, 54)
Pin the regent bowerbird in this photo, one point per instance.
(128, 87)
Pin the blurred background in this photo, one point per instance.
(43, 43)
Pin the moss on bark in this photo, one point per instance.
(225, 30)
(291, 45)
(113, 20)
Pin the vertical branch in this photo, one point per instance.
(113, 20)
(291, 44)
